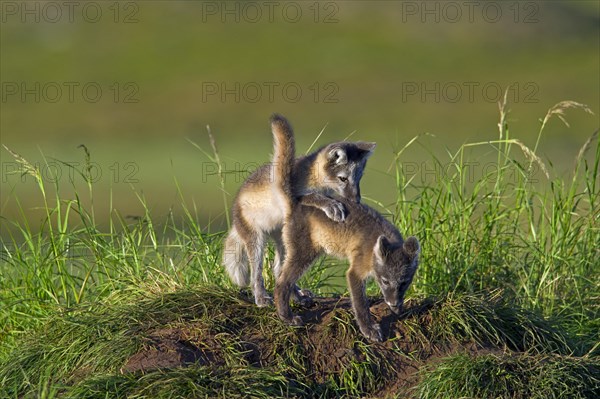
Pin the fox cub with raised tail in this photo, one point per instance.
(373, 246)
(258, 210)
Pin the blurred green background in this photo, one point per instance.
(137, 81)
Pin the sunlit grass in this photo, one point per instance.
(512, 376)
(537, 239)
(513, 263)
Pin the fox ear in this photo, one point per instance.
(381, 249)
(337, 155)
(366, 148)
(411, 246)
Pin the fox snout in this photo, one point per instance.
(392, 297)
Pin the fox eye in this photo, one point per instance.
(385, 281)
(343, 179)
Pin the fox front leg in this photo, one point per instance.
(282, 303)
(300, 296)
(333, 209)
(300, 255)
(368, 328)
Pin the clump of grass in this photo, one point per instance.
(492, 319)
(191, 382)
(512, 376)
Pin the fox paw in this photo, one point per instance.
(335, 211)
(303, 297)
(374, 333)
(305, 302)
(263, 301)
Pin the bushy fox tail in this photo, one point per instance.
(284, 154)
(235, 259)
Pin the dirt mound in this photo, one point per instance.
(329, 344)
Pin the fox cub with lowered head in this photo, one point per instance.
(373, 246)
(259, 208)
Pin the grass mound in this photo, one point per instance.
(213, 342)
(512, 376)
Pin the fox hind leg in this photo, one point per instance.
(279, 253)
(256, 250)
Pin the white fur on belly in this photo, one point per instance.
(263, 209)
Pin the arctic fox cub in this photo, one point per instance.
(373, 246)
(258, 210)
